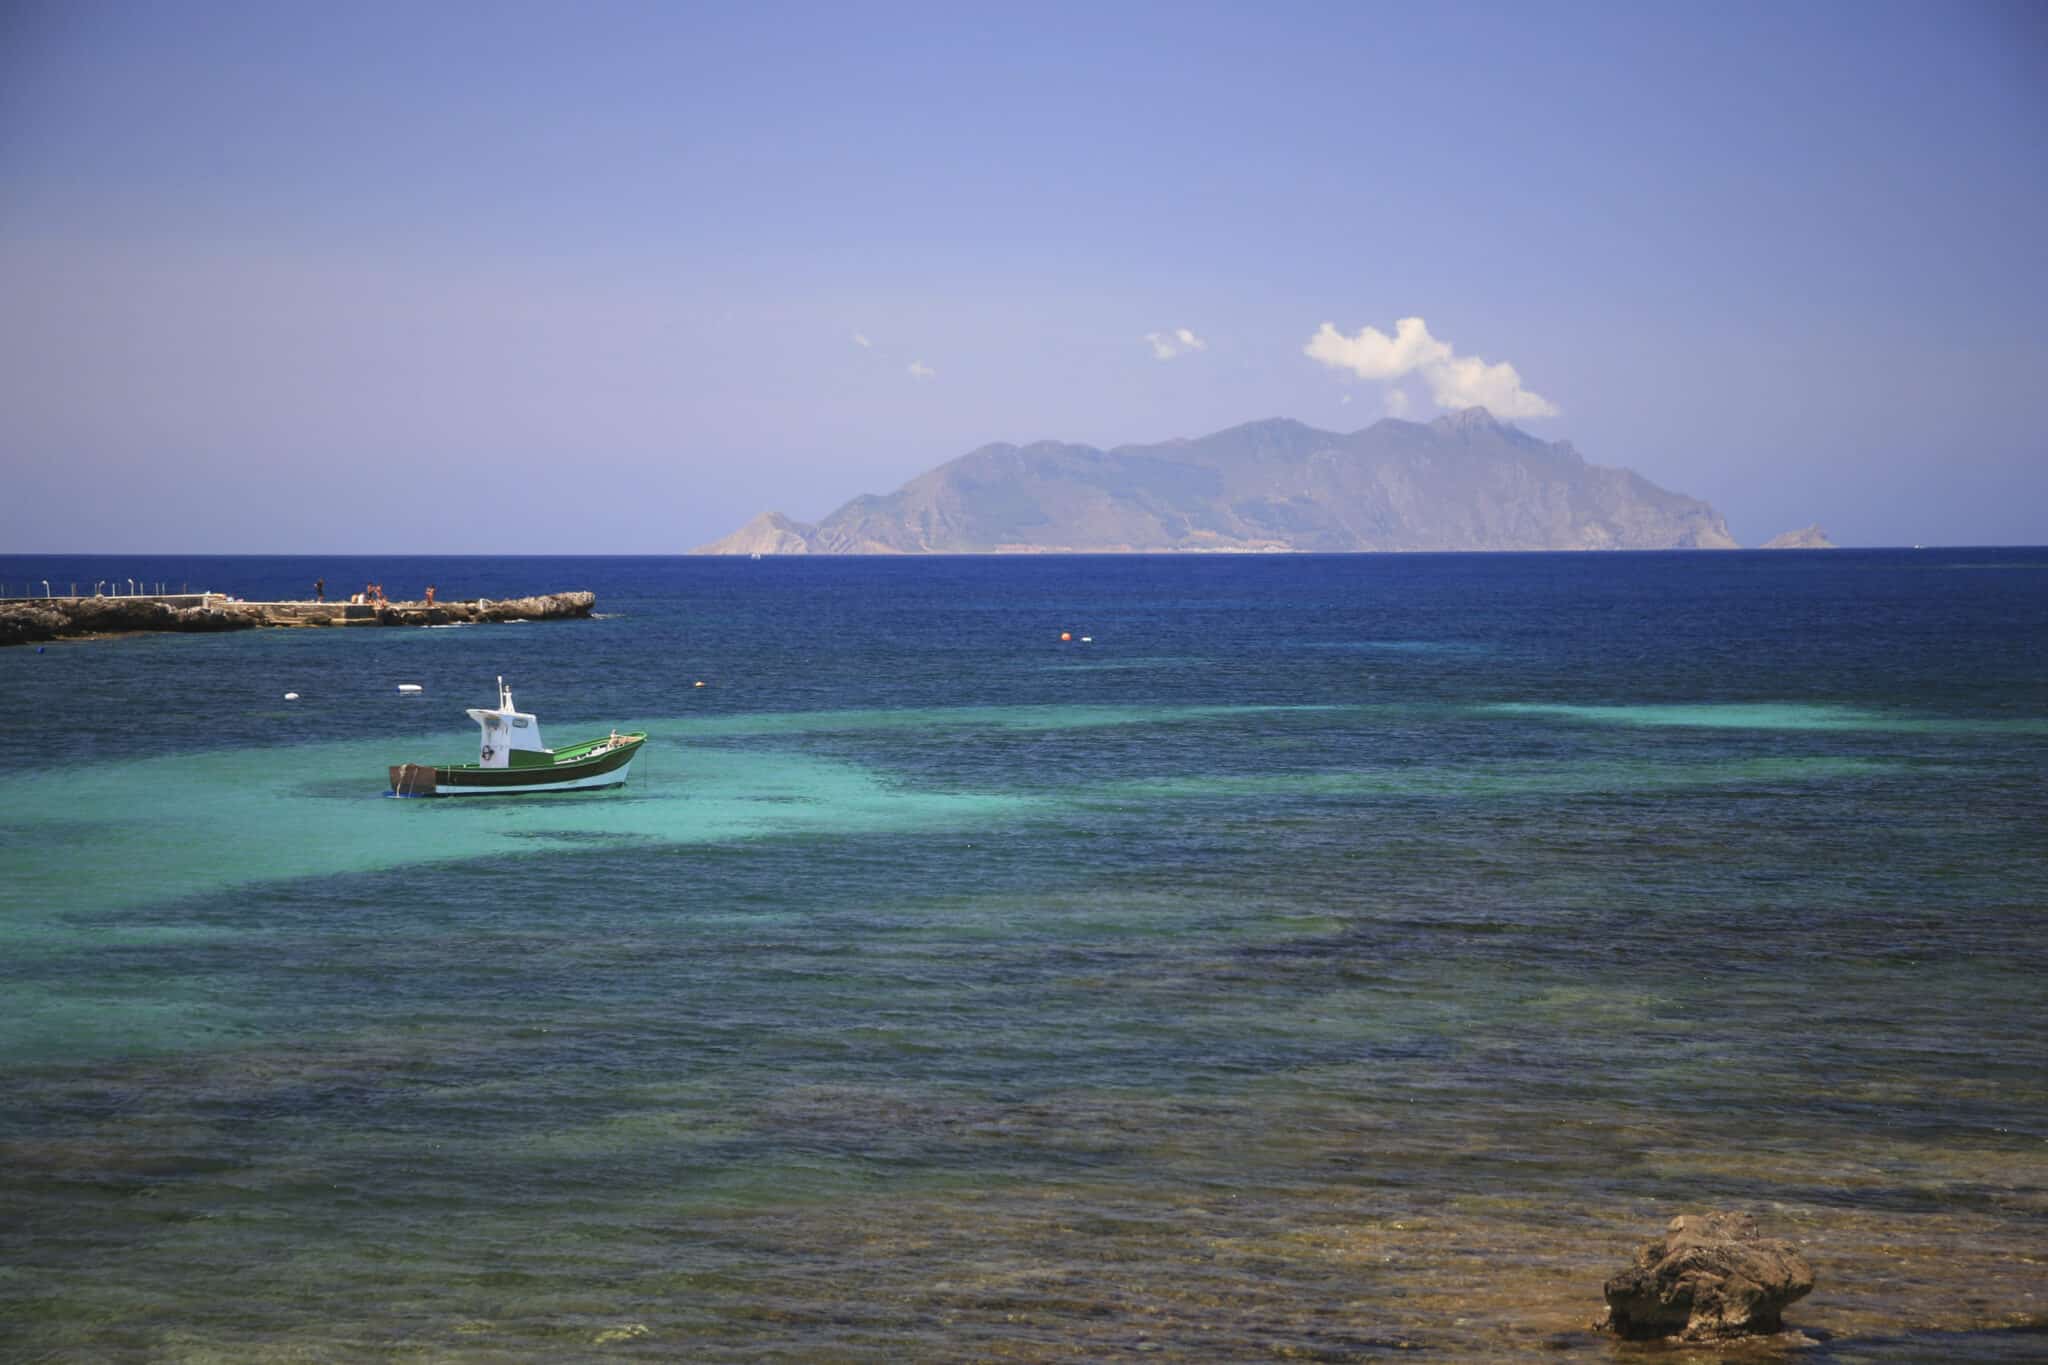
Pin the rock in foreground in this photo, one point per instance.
(1709, 1277)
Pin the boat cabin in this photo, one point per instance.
(511, 737)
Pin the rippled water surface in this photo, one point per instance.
(1330, 957)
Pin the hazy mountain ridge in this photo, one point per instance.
(1462, 482)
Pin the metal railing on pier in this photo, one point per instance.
(42, 590)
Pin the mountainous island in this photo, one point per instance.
(1462, 482)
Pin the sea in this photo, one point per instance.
(1031, 958)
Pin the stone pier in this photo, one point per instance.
(27, 621)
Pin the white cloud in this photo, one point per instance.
(1397, 402)
(1345, 401)
(919, 370)
(860, 339)
(1454, 381)
(1167, 345)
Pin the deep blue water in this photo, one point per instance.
(1326, 953)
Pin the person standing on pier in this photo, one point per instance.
(319, 590)
(430, 594)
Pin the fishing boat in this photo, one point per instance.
(511, 760)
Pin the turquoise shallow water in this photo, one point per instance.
(1331, 957)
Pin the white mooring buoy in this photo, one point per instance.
(291, 696)
(408, 687)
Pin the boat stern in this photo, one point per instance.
(414, 779)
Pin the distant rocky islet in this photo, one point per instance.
(1808, 538)
(1462, 482)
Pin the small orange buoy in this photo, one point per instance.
(1065, 636)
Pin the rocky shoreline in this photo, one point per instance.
(60, 618)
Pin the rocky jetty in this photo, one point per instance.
(1711, 1276)
(1462, 482)
(1810, 538)
(57, 618)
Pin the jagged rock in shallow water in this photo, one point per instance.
(1710, 1276)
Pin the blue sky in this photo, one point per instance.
(288, 277)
